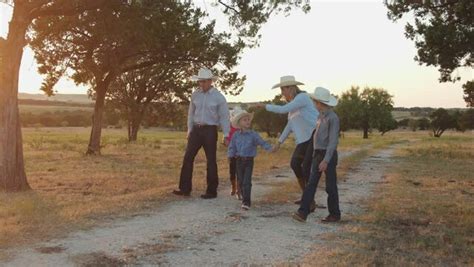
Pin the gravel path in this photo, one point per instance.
(195, 232)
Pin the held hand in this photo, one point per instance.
(323, 166)
(276, 147)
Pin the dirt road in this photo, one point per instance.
(196, 232)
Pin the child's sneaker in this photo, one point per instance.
(238, 196)
(245, 207)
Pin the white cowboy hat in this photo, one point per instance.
(203, 74)
(234, 111)
(323, 95)
(239, 114)
(287, 81)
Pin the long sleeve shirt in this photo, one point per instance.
(244, 144)
(209, 108)
(302, 116)
(326, 136)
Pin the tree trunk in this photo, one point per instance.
(366, 127)
(96, 131)
(438, 132)
(135, 119)
(341, 134)
(133, 131)
(366, 133)
(12, 169)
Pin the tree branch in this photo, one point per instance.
(65, 8)
(228, 7)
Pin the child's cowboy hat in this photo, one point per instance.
(324, 96)
(204, 74)
(239, 114)
(234, 111)
(287, 81)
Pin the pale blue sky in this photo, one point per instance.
(336, 45)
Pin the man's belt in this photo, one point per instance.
(200, 125)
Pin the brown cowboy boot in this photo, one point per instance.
(234, 188)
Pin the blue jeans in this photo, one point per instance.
(244, 177)
(331, 185)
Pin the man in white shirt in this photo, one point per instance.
(207, 109)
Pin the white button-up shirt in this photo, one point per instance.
(208, 108)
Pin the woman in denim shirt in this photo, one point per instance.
(302, 117)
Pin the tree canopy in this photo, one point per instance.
(469, 93)
(371, 108)
(443, 32)
(98, 46)
(441, 120)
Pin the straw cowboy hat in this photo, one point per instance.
(287, 81)
(323, 95)
(204, 74)
(237, 115)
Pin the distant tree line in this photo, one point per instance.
(416, 111)
(440, 120)
(60, 118)
(51, 103)
(172, 117)
(366, 110)
(371, 109)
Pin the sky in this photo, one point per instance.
(336, 45)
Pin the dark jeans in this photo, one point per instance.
(301, 160)
(232, 169)
(206, 137)
(331, 184)
(244, 177)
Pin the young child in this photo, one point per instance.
(243, 146)
(233, 161)
(326, 137)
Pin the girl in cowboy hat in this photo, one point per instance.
(325, 140)
(243, 147)
(302, 116)
(235, 191)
